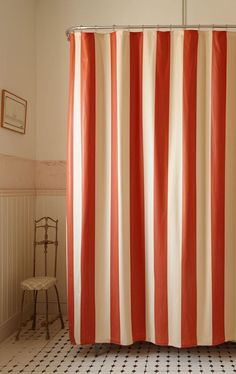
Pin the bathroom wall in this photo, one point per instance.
(17, 152)
(17, 70)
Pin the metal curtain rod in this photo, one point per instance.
(135, 27)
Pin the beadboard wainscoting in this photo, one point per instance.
(29, 189)
(17, 212)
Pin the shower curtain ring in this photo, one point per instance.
(113, 27)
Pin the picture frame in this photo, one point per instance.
(13, 112)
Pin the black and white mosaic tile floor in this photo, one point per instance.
(33, 354)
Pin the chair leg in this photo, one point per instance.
(59, 308)
(35, 305)
(47, 329)
(21, 315)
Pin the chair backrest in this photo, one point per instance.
(45, 236)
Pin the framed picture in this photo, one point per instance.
(14, 110)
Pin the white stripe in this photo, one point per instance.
(102, 187)
(148, 98)
(230, 191)
(174, 235)
(77, 188)
(203, 166)
(123, 131)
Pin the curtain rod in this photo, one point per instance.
(135, 27)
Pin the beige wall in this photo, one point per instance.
(17, 69)
(211, 11)
(17, 196)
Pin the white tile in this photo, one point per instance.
(58, 353)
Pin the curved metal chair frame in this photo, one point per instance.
(44, 223)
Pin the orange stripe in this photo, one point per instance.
(88, 188)
(189, 291)
(137, 239)
(218, 114)
(69, 187)
(115, 307)
(161, 142)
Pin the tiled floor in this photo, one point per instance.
(33, 354)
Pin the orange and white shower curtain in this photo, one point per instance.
(151, 199)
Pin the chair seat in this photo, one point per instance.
(38, 283)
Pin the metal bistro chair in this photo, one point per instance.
(42, 283)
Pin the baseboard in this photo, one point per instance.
(12, 323)
(52, 307)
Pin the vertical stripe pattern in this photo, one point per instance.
(230, 188)
(161, 140)
(69, 187)
(137, 237)
(203, 190)
(114, 266)
(123, 133)
(188, 317)
(174, 193)
(102, 186)
(151, 183)
(77, 185)
(148, 118)
(88, 134)
(218, 120)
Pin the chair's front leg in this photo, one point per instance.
(21, 315)
(35, 306)
(59, 307)
(47, 329)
